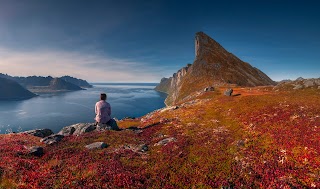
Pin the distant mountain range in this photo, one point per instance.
(25, 87)
(45, 81)
(213, 66)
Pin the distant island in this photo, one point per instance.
(11, 90)
(18, 88)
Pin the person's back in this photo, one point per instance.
(103, 112)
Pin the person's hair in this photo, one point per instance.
(103, 96)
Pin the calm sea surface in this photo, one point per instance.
(55, 111)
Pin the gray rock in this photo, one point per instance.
(228, 92)
(297, 87)
(77, 129)
(52, 139)
(165, 141)
(144, 148)
(39, 132)
(208, 89)
(308, 83)
(35, 151)
(136, 148)
(96, 145)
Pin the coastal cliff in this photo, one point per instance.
(213, 66)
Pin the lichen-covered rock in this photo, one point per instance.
(165, 141)
(52, 139)
(96, 145)
(77, 129)
(39, 132)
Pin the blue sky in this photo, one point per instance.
(143, 41)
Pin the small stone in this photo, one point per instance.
(165, 141)
(144, 148)
(96, 145)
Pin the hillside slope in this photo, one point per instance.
(61, 84)
(260, 139)
(213, 65)
(76, 81)
(11, 90)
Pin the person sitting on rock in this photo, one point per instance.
(103, 113)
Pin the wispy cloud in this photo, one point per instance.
(92, 67)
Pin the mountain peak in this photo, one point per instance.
(213, 65)
(203, 43)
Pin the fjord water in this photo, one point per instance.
(55, 111)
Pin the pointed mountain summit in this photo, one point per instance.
(213, 65)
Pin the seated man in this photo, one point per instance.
(103, 113)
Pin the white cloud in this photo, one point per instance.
(92, 67)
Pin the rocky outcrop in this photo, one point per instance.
(11, 90)
(77, 129)
(39, 132)
(299, 83)
(52, 139)
(213, 65)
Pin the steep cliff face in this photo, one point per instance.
(213, 65)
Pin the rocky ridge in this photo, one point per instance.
(299, 83)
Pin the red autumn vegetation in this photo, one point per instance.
(259, 139)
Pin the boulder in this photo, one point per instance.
(52, 139)
(165, 141)
(228, 92)
(39, 132)
(35, 151)
(96, 145)
(77, 129)
(208, 89)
